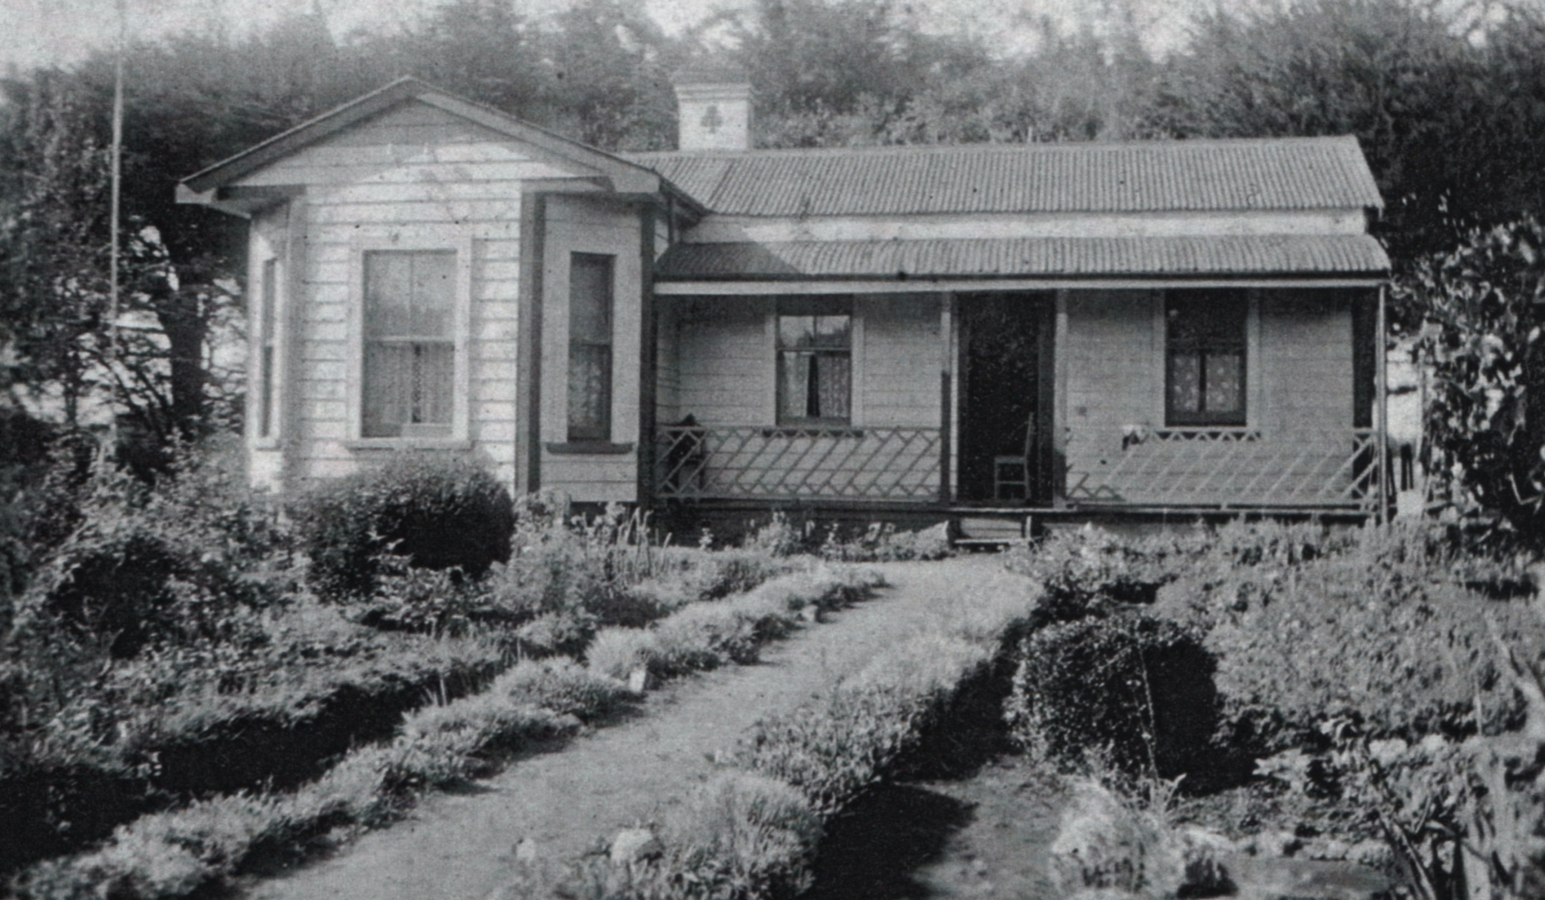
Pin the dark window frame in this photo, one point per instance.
(805, 307)
(1235, 303)
(599, 430)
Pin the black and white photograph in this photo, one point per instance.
(772, 449)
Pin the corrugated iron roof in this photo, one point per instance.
(1027, 258)
(1149, 176)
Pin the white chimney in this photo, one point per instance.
(713, 106)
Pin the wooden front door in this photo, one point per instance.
(1004, 411)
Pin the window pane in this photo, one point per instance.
(794, 384)
(832, 331)
(269, 298)
(433, 384)
(589, 392)
(266, 395)
(1208, 319)
(812, 332)
(832, 384)
(590, 352)
(1225, 382)
(388, 294)
(796, 331)
(388, 389)
(409, 293)
(408, 385)
(814, 367)
(590, 299)
(434, 293)
(1206, 357)
(1185, 382)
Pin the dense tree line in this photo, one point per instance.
(1450, 111)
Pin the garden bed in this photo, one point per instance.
(1360, 707)
(171, 854)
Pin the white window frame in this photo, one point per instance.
(258, 339)
(856, 366)
(451, 240)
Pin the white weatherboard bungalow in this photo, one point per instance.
(1157, 328)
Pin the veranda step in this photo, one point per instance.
(993, 530)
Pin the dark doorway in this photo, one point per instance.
(1004, 417)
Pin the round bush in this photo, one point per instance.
(1131, 686)
(439, 512)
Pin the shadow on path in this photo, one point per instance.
(872, 851)
(877, 848)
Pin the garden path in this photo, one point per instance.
(462, 846)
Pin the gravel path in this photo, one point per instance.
(462, 846)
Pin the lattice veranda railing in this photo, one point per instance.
(1238, 467)
(757, 462)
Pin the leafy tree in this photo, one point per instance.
(189, 101)
(477, 48)
(1484, 339)
(154, 366)
(1436, 114)
(826, 72)
(52, 246)
(607, 77)
(1072, 88)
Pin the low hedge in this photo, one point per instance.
(112, 756)
(173, 854)
(711, 634)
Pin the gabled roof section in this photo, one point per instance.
(626, 177)
(1147, 176)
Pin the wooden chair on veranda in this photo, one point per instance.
(1011, 474)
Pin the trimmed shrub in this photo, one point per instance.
(617, 652)
(440, 512)
(442, 745)
(705, 636)
(1131, 686)
(709, 634)
(563, 686)
(756, 833)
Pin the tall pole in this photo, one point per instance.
(1381, 403)
(113, 216)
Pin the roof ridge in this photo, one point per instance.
(989, 148)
